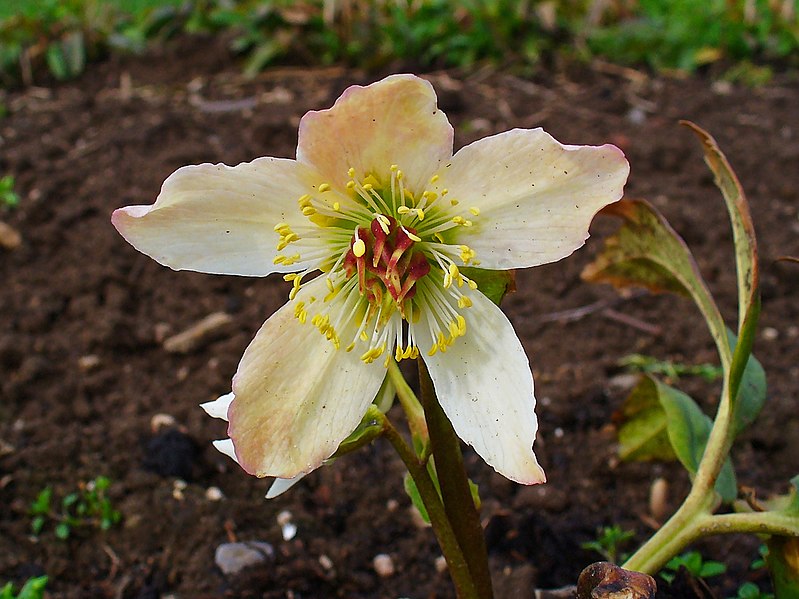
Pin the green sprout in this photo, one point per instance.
(694, 563)
(749, 590)
(86, 508)
(8, 197)
(669, 369)
(608, 542)
(32, 589)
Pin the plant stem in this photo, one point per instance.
(410, 404)
(458, 567)
(688, 522)
(455, 490)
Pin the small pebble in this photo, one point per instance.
(559, 433)
(770, 333)
(159, 421)
(392, 505)
(325, 562)
(287, 528)
(10, 239)
(89, 362)
(214, 494)
(383, 565)
(658, 499)
(232, 558)
(441, 564)
(177, 489)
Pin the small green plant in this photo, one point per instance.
(694, 563)
(669, 369)
(749, 590)
(32, 589)
(608, 542)
(8, 197)
(87, 507)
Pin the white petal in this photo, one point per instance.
(536, 197)
(220, 219)
(225, 446)
(484, 384)
(393, 121)
(218, 408)
(281, 485)
(297, 396)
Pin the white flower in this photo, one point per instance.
(377, 204)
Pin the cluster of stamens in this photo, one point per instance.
(381, 250)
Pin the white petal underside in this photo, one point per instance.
(484, 384)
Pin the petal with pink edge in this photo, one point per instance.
(393, 121)
(536, 197)
(297, 396)
(220, 219)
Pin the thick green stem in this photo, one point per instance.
(458, 567)
(455, 489)
(687, 524)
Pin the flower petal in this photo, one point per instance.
(297, 396)
(393, 121)
(219, 407)
(484, 384)
(536, 197)
(225, 446)
(281, 485)
(220, 219)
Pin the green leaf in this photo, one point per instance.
(751, 391)
(62, 531)
(42, 503)
(416, 499)
(654, 407)
(647, 252)
(37, 524)
(783, 564)
(643, 435)
(494, 284)
(33, 588)
(745, 253)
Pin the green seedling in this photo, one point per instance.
(608, 542)
(749, 590)
(32, 589)
(695, 564)
(88, 507)
(669, 369)
(8, 197)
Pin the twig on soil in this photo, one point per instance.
(197, 334)
(633, 322)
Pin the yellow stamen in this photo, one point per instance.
(475, 210)
(359, 248)
(324, 187)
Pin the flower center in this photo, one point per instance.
(390, 260)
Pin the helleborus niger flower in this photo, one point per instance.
(372, 224)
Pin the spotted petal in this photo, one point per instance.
(297, 397)
(220, 219)
(536, 197)
(484, 384)
(393, 121)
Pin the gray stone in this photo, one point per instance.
(232, 558)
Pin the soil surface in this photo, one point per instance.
(83, 319)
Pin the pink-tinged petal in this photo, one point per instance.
(219, 407)
(393, 121)
(536, 197)
(220, 219)
(484, 384)
(297, 396)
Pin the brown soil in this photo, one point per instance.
(74, 289)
